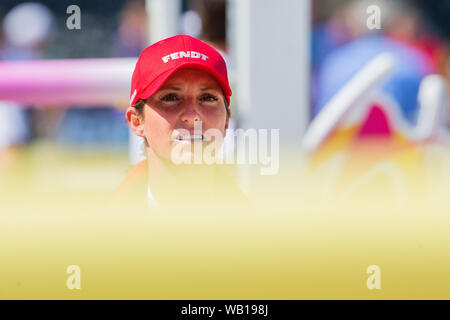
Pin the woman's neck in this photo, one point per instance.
(167, 179)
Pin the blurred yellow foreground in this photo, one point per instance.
(312, 236)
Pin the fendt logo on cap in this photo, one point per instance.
(183, 54)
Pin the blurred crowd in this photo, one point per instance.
(342, 44)
(29, 32)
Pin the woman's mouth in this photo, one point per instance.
(190, 137)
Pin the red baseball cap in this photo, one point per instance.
(160, 60)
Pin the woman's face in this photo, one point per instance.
(186, 98)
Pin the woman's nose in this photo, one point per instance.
(190, 114)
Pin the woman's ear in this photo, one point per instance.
(135, 121)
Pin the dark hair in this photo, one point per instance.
(139, 106)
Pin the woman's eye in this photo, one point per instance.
(208, 98)
(169, 97)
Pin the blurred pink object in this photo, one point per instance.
(376, 124)
(66, 82)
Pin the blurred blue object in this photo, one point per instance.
(13, 125)
(403, 86)
(323, 42)
(94, 128)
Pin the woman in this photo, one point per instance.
(179, 104)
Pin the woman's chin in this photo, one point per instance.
(188, 152)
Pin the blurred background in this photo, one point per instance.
(63, 91)
(358, 90)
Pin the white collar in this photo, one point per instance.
(152, 203)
